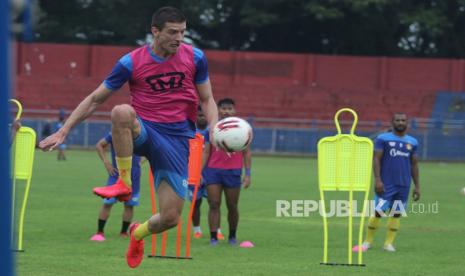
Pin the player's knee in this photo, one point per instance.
(231, 207)
(122, 113)
(214, 204)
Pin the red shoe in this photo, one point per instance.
(116, 190)
(135, 252)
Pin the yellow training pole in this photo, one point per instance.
(13, 182)
(24, 158)
(325, 227)
(24, 149)
(20, 108)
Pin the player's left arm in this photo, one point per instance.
(415, 177)
(207, 102)
(247, 153)
(204, 88)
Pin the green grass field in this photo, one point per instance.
(62, 214)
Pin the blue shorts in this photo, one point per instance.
(167, 154)
(134, 201)
(228, 178)
(62, 147)
(201, 192)
(393, 196)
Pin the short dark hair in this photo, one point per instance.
(399, 113)
(226, 101)
(167, 14)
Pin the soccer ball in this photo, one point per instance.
(232, 134)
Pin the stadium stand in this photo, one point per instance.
(290, 99)
(265, 85)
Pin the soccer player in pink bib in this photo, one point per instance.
(223, 172)
(167, 79)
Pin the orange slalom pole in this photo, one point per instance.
(154, 209)
(194, 173)
(178, 239)
(189, 222)
(164, 236)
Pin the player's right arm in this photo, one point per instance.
(377, 156)
(101, 151)
(15, 126)
(120, 74)
(204, 89)
(82, 111)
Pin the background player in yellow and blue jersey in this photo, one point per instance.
(113, 175)
(395, 164)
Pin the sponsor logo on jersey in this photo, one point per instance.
(166, 82)
(395, 152)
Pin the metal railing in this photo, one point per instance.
(438, 139)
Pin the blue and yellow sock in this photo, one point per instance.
(124, 165)
(142, 231)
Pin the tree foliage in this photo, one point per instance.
(350, 27)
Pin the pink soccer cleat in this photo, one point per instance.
(135, 252)
(365, 246)
(119, 190)
(99, 237)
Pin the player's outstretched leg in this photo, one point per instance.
(170, 212)
(135, 252)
